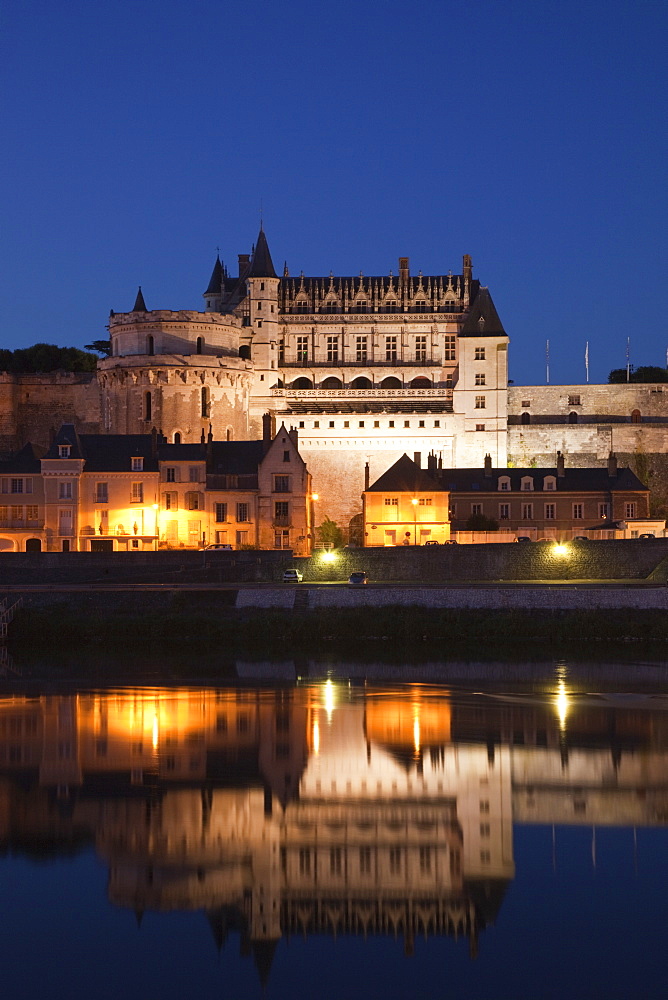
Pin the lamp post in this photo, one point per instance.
(415, 506)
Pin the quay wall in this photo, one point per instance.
(604, 560)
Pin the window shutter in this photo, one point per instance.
(177, 474)
(5, 485)
(28, 485)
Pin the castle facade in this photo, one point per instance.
(366, 368)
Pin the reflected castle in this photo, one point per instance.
(324, 808)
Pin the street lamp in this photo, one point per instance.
(415, 505)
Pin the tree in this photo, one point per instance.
(47, 358)
(645, 373)
(480, 522)
(330, 534)
(101, 346)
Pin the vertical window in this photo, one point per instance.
(281, 352)
(304, 861)
(449, 348)
(137, 464)
(199, 347)
(170, 474)
(476, 508)
(64, 450)
(242, 512)
(221, 512)
(604, 511)
(64, 491)
(480, 378)
(527, 512)
(286, 454)
(332, 348)
(421, 348)
(101, 493)
(17, 486)
(302, 347)
(391, 348)
(150, 345)
(137, 493)
(504, 512)
(193, 501)
(550, 511)
(630, 509)
(578, 511)
(282, 484)
(361, 349)
(480, 354)
(480, 402)
(281, 512)
(193, 473)
(206, 405)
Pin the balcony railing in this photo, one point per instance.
(370, 362)
(18, 524)
(364, 393)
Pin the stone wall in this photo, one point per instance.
(32, 406)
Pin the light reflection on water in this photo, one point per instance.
(342, 813)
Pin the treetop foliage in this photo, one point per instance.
(645, 373)
(47, 358)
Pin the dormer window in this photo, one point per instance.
(504, 483)
(527, 483)
(137, 464)
(549, 483)
(64, 450)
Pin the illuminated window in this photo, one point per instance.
(604, 511)
(425, 502)
(391, 501)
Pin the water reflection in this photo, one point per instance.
(326, 808)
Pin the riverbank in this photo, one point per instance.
(212, 618)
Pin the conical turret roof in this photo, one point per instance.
(140, 305)
(261, 265)
(216, 280)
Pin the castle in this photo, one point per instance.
(365, 368)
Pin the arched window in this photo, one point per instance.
(150, 345)
(33, 545)
(572, 417)
(177, 437)
(302, 383)
(331, 383)
(148, 406)
(200, 345)
(206, 402)
(390, 383)
(525, 418)
(361, 383)
(636, 417)
(245, 352)
(421, 382)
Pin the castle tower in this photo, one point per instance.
(178, 371)
(263, 318)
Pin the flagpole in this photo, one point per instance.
(587, 361)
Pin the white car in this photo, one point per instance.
(219, 546)
(292, 576)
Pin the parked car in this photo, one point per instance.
(358, 579)
(580, 538)
(292, 576)
(220, 546)
(451, 541)
(522, 538)
(647, 534)
(432, 541)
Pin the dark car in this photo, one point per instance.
(647, 534)
(358, 579)
(522, 538)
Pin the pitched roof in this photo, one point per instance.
(114, 452)
(406, 477)
(572, 481)
(66, 435)
(261, 264)
(25, 460)
(140, 305)
(216, 279)
(483, 319)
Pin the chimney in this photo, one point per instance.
(467, 267)
(244, 263)
(366, 477)
(417, 458)
(488, 466)
(612, 465)
(404, 271)
(266, 432)
(293, 434)
(560, 465)
(431, 462)
(154, 442)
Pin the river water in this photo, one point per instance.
(330, 831)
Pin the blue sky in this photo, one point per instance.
(139, 136)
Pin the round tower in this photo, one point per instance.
(177, 371)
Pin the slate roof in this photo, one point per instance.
(483, 319)
(261, 263)
(216, 279)
(405, 477)
(572, 481)
(24, 461)
(113, 452)
(232, 458)
(140, 305)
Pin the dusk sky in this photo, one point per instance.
(140, 136)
